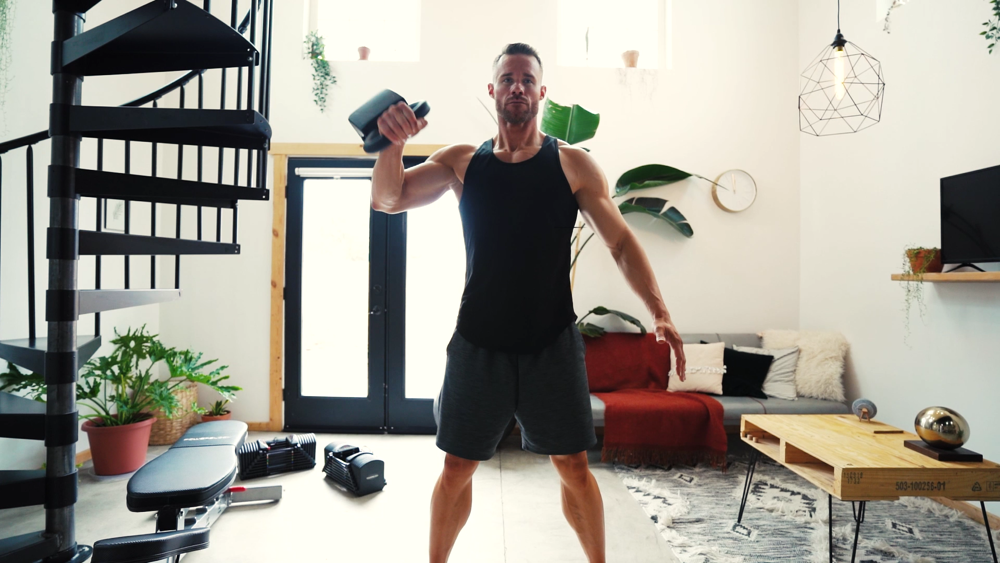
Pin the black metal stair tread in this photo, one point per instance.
(78, 6)
(243, 129)
(22, 487)
(94, 243)
(31, 354)
(29, 547)
(98, 300)
(156, 38)
(113, 185)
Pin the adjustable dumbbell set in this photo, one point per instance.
(192, 484)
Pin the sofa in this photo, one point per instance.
(735, 407)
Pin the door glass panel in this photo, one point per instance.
(435, 279)
(336, 231)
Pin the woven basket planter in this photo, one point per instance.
(165, 430)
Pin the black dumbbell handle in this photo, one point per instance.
(375, 142)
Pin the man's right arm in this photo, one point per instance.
(395, 190)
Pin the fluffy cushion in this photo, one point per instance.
(780, 381)
(626, 360)
(705, 368)
(820, 370)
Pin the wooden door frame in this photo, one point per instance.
(281, 152)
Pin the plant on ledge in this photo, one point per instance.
(992, 33)
(322, 77)
(917, 261)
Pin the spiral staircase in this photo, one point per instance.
(160, 36)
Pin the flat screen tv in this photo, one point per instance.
(970, 217)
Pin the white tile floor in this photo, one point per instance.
(516, 513)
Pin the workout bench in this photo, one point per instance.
(188, 487)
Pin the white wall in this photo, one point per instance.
(866, 196)
(27, 111)
(727, 103)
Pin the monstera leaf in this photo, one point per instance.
(569, 123)
(595, 331)
(657, 207)
(648, 176)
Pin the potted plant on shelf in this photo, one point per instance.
(217, 411)
(917, 261)
(122, 392)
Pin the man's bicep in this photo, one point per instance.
(599, 210)
(424, 184)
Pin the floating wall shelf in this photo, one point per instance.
(952, 277)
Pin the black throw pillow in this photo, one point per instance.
(745, 373)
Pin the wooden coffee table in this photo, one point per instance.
(861, 461)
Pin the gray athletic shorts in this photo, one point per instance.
(546, 391)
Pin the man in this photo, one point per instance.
(516, 350)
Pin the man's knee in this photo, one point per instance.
(573, 468)
(458, 469)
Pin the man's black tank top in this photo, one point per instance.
(517, 219)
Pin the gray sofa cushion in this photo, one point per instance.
(735, 407)
(737, 338)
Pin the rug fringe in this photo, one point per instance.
(656, 456)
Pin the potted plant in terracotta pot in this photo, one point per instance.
(217, 411)
(122, 391)
(924, 260)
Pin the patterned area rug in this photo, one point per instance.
(695, 510)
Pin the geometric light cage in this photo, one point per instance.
(830, 107)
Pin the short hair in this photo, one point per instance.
(518, 49)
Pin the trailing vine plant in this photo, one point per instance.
(322, 77)
(992, 32)
(6, 26)
(895, 4)
(913, 286)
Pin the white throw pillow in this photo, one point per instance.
(780, 381)
(820, 370)
(704, 369)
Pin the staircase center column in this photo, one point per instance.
(62, 298)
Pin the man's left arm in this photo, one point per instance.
(604, 217)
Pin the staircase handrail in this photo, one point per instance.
(152, 96)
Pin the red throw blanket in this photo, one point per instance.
(643, 422)
(662, 428)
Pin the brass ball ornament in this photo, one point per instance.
(942, 428)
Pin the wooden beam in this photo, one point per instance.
(85, 455)
(343, 149)
(261, 426)
(275, 410)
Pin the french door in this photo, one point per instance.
(348, 322)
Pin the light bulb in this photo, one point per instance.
(838, 73)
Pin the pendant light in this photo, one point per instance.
(842, 89)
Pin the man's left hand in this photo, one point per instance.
(666, 332)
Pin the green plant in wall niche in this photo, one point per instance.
(6, 26)
(917, 261)
(992, 32)
(322, 77)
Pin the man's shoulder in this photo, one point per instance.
(454, 155)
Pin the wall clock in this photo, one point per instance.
(734, 191)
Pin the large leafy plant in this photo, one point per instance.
(992, 32)
(121, 388)
(574, 124)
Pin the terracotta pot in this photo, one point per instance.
(210, 418)
(363, 53)
(631, 58)
(118, 449)
(927, 261)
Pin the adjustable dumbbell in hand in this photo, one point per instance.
(386, 119)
